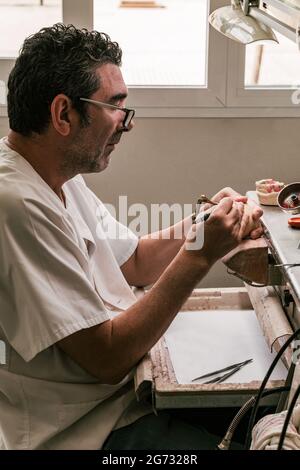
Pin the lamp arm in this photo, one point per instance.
(235, 4)
(246, 4)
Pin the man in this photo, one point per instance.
(67, 382)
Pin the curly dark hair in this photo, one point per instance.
(57, 59)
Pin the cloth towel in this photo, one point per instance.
(266, 433)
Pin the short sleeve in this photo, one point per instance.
(123, 242)
(47, 283)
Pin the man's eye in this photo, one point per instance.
(120, 103)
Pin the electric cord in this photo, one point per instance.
(286, 265)
(288, 417)
(254, 284)
(264, 382)
(226, 441)
(283, 398)
(244, 279)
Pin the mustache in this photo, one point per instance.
(115, 138)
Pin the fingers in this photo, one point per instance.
(257, 213)
(240, 220)
(224, 206)
(225, 192)
(222, 229)
(229, 192)
(230, 214)
(243, 199)
(246, 216)
(257, 233)
(244, 224)
(241, 208)
(232, 208)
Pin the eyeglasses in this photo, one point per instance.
(129, 113)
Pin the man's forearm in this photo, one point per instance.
(156, 251)
(140, 327)
(110, 350)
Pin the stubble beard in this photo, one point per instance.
(81, 159)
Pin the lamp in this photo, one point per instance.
(235, 24)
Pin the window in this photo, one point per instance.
(164, 45)
(273, 65)
(175, 65)
(262, 98)
(20, 18)
(2, 93)
(5, 67)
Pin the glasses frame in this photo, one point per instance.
(129, 113)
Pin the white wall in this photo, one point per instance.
(176, 160)
(3, 126)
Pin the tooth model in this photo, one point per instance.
(267, 191)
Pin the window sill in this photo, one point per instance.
(207, 112)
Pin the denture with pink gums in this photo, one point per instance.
(267, 191)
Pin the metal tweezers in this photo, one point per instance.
(232, 370)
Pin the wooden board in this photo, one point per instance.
(249, 260)
(274, 324)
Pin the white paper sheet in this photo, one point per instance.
(204, 341)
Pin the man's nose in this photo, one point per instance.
(121, 127)
(131, 125)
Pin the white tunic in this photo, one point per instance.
(60, 268)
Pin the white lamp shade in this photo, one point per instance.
(234, 24)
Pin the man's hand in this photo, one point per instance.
(222, 231)
(228, 192)
(256, 212)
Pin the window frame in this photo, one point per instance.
(240, 96)
(224, 96)
(5, 67)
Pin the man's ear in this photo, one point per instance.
(61, 114)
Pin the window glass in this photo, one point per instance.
(20, 18)
(2, 93)
(273, 64)
(162, 45)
